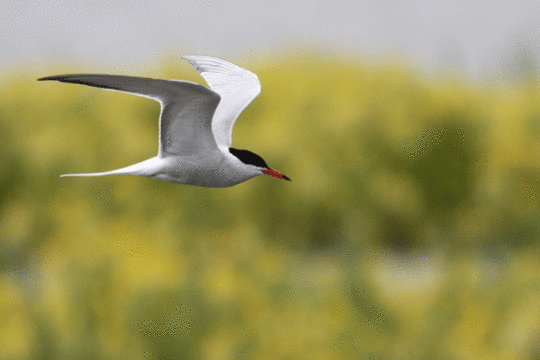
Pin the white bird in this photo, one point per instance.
(195, 124)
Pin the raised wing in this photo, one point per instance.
(187, 108)
(236, 86)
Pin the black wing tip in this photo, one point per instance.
(83, 79)
(48, 78)
(55, 77)
(286, 178)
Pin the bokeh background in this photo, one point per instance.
(410, 230)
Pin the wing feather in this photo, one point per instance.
(187, 108)
(236, 86)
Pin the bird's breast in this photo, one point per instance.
(211, 170)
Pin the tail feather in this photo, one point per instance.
(145, 168)
(105, 173)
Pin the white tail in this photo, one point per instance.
(113, 172)
(144, 168)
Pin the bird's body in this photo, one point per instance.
(212, 169)
(195, 124)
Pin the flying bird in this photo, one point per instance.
(195, 124)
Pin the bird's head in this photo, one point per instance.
(252, 159)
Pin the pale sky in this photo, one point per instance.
(124, 34)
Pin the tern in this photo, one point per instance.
(195, 124)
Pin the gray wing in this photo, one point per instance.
(187, 108)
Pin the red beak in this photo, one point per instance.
(275, 174)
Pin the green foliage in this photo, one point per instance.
(409, 230)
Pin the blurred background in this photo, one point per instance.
(410, 230)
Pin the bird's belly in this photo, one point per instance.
(213, 173)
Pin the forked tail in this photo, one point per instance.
(105, 173)
(144, 168)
